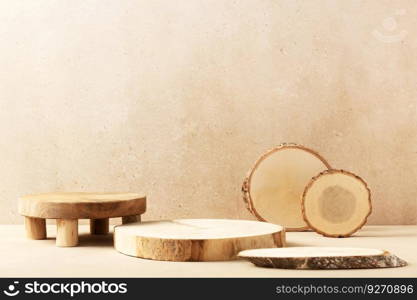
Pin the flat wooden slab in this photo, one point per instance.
(81, 205)
(322, 258)
(195, 239)
(273, 188)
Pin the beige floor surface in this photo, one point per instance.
(96, 257)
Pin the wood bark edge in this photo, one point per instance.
(195, 243)
(246, 188)
(334, 171)
(194, 250)
(386, 260)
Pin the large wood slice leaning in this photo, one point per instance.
(273, 188)
(336, 203)
(67, 208)
(322, 258)
(195, 239)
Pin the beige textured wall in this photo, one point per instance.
(178, 98)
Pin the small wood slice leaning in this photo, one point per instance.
(195, 239)
(336, 203)
(322, 258)
(273, 188)
(67, 208)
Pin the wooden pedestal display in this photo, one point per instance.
(273, 188)
(195, 239)
(322, 258)
(67, 208)
(336, 203)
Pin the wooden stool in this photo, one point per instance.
(67, 208)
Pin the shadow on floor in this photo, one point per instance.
(88, 240)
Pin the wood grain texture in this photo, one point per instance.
(274, 185)
(305, 258)
(336, 203)
(195, 239)
(82, 205)
(66, 232)
(35, 228)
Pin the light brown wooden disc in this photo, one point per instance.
(274, 186)
(82, 205)
(195, 239)
(322, 258)
(336, 203)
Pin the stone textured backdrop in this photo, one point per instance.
(178, 98)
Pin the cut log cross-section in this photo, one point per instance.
(336, 203)
(322, 258)
(273, 188)
(195, 239)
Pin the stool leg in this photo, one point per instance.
(35, 228)
(99, 226)
(66, 232)
(130, 219)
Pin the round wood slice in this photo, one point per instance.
(81, 205)
(195, 239)
(273, 188)
(336, 203)
(322, 258)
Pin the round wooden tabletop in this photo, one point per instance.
(81, 205)
(195, 239)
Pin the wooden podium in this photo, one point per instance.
(67, 208)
